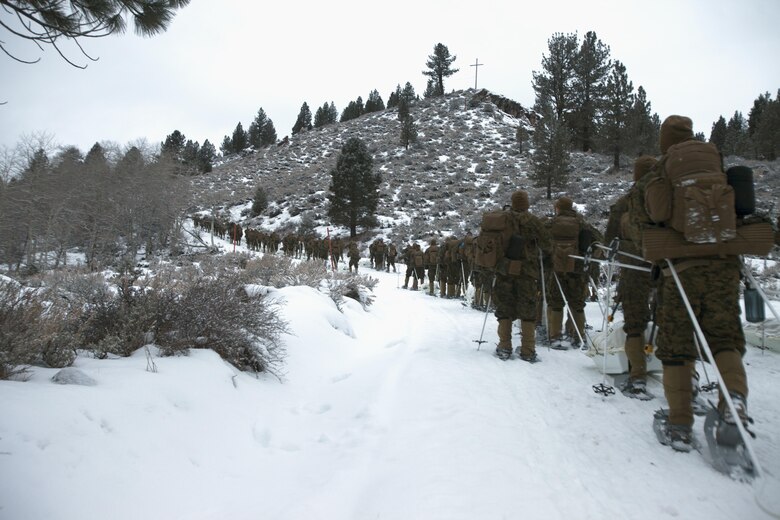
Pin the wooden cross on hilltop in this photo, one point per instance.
(476, 66)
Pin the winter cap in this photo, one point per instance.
(643, 165)
(433, 242)
(675, 129)
(520, 200)
(564, 203)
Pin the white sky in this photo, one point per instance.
(222, 60)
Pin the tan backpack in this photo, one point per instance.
(565, 233)
(693, 197)
(496, 231)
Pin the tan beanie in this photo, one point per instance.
(675, 129)
(564, 203)
(643, 165)
(520, 200)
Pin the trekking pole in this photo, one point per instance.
(479, 342)
(595, 288)
(463, 279)
(544, 299)
(569, 311)
(725, 393)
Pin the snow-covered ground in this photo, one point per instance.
(388, 413)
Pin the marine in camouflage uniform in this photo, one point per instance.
(431, 257)
(634, 288)
(516, 294)
(711, 284)
(449, 268)
(354, 256)
(573, 282)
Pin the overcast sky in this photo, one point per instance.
(221, 60)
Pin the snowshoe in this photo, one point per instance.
(678, 437)
(503, 354)
(533, 358)
(559, 344)
(727, 450)
(633, 388)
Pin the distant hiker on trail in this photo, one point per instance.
(380, 250)
(517, 275)
(392, 253)
(567, 273)
(633, 288)
(431, 258)
(710, 282)
(449, 268)
(354, 256)
(415, 266)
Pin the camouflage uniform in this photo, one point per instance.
(432, 264)
(634, 286)
(354, 256)
(574, 282)
(516, 294)
(711, 284)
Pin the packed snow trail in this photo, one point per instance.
(389, 412)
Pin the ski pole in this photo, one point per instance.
(544, 298)
(706, 346)
(479, 342)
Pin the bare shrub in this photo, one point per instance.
(216, 313)
(20, 313)
(350, 285)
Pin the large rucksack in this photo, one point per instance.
(496, 230)
(565, 231)
(693, 202)
(692, 195)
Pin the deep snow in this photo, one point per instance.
(390, 412)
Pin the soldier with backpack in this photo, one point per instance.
(684, 212)
(517, 273)
(392, 253)
(354, 256)
(431, 258)
(567, 282)
(633, 289)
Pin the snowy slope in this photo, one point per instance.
(388, 413)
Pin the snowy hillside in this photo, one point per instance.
(390, 412)
(467, 159)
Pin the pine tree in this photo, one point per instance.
(718, 133)
(615, 118)
(259, 202)
(591, 68)
(431, 90)
(767, 134)
(268, 134)
(403, 109)
(333, 114)
(374, 102)
(303, 122)
(392, 100)
(550, 158)
(227, 146)
(408, 131)
(408, 94)
(736, 142)
(173, 145)
(206, 156)
(556, 79)
(440, 66)
(643, 127)
(320, 116)
(521, 135)
(256, 129)
(239, 139)
(354, 187)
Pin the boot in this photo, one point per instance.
(730, 365)
(554, 320)
(414, 284)
(452, 290)
(406, 282)
(678, 391)
(635, 352)
(504, 348)
(442, 289)
(528, 341)
(430, 287)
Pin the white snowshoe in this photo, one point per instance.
(635, 389)
(727, 450)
